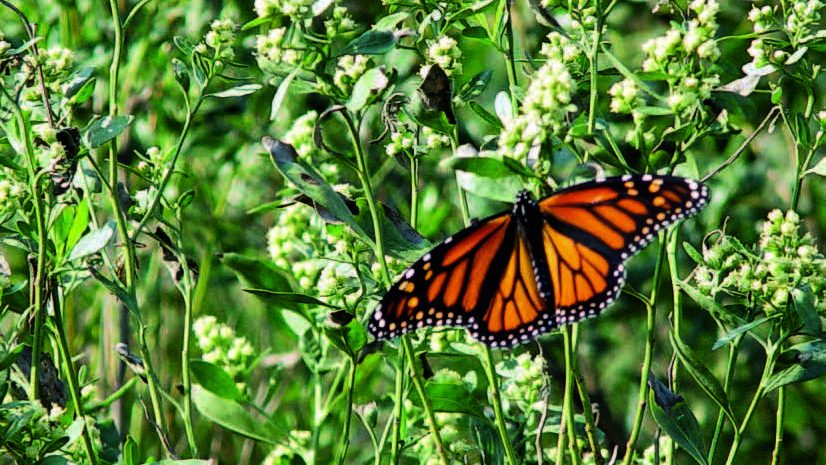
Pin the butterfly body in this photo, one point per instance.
(513, 276)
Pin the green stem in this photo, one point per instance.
(590, 424)
(509, 56)
(418, 383)
(593, 62)
(414, 191)
(778, 429)
(71, 374)
(651, 312)
(348, 413)
(496, 398)
(676, 315)
(318, 416)
(767, 370)
(120, 218)
(734, 348)
(567, 400)
(398, 407)
(187, 292)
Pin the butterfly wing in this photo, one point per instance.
(590, 229)
(481, 278)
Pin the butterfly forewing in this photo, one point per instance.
(447, 286)
(592, 228)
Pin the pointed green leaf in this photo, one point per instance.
(103, 129)
(215, 380)
(705, 379)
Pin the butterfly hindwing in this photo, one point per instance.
(592, 228)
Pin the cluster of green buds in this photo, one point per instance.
(446, 53)
(222, 347)
(543, 112)
(151, 165)
(289, 8)
(523, 378)
(800, 26)
(4, 46)
(348, 70)
(57, 64)
(765, 276)
(273, 51)
(300, 136)
(220, 38)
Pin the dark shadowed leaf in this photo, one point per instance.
(671, 412)
(804, 303)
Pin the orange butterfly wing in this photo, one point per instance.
(481, 278)
(590, 229)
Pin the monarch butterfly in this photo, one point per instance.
(513, 276)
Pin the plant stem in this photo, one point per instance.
(590, 425)
(771, 352)
(778, 429)
(496, 398)
(509, 55)
(120, 217)
(71, 374)
(593, 63)
(651, 312)
(418, 381)
(428, 410)
(187, 292)
(398, 406)
(734, 348)
(568, 401)
(348, 413)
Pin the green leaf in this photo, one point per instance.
(372, 42)
(103, 129)
(349, 338)
(804, 303)
(93, 241)
(819, 169)
(8, 358)
(475, 86)
(389, 22)
(489, 167)
(234, 417)
(707, 302)
(215, 380)
(810, 364)
(368, 87)
(693, 253)
(184, 462)
(475, 32)
(78, 84)
(237, 91)
(731, 335)
(679, 423)
(281, 94)
(489, 117)
(54, 460)
(288, 300)
(131, 455)
(450, 398)
(258, 273)
(655, 111)
(309, 182)
(184, 45)
(705, 379)
(79, 224)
